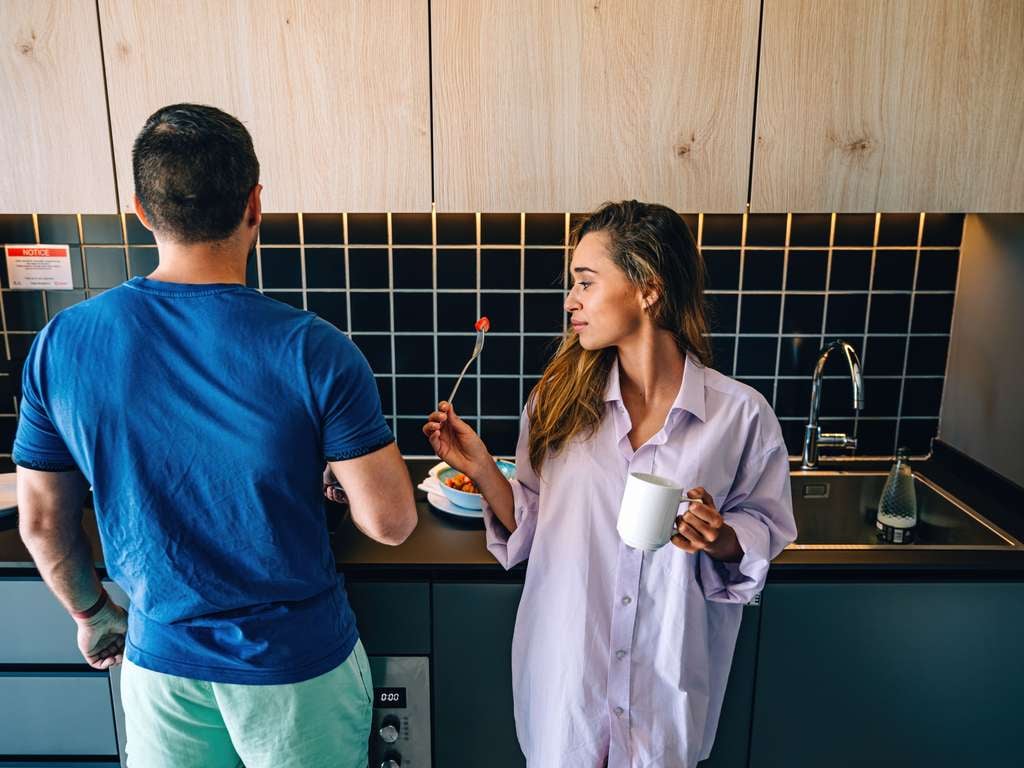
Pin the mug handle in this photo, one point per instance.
(672, 525)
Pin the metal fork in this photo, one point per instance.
(476, 351)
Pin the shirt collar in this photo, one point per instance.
(691, 393)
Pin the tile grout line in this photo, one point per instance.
(910, 325)
(782, 309)
(476, 363)
(391, 311)
(867, 315)
(348, 278)
(433, 282)
(522, 308)
(739, 290)
(42, 293)
(302, 262)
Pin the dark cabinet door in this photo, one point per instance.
(732, 741)
(898, 674)
(473, 720)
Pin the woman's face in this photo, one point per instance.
(604, 307)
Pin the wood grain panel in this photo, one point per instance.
(335, 94)
(54, 139)
(561, 106)
(890, 105)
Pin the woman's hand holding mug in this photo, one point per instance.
(648, 518)
(702, 529)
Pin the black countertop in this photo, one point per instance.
(445, 547)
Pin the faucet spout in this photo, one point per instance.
(813, 437)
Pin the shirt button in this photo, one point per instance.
(620, 654)
(618, 711)
(627, 600)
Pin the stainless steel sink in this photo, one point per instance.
(836, 510)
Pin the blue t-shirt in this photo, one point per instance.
(202, 416)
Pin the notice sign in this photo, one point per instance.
(38, 266)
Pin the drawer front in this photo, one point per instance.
(393, 617)
(54, 714)
(41, 632)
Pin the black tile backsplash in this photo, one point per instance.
(500, 228)
(324, 228)
(943, 229)
(408, 287)
(368, 267)
(279, 229)
(499, 268)
(55, 229)
(456, 229)
(802, 313)
(282, 268)
(325, 268)
(762, 270)
(899, 229)
(106, 267)
(855, 229)
(723, 268)
(766, 229)
(760, 313)
(367, 228)
(413, 268)
(16, 228)
(332, 306)
(806, 270)
(545, 229)
(103, 229)
(411, 228)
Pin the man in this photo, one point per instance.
(202, 413)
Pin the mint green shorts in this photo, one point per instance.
(176, 722)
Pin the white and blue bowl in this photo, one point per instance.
(470, 500)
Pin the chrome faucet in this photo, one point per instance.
(814, 438)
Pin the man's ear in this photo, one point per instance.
(254, 208)
(141, 213)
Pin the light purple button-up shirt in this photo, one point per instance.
(619, 652)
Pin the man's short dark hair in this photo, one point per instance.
(194, 167)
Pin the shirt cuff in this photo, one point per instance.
(509, 549)
(43, 464)
(738, 582)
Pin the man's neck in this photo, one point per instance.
(201, 263)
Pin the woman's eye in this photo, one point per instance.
(585, 284)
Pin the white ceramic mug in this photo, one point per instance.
(647, 515)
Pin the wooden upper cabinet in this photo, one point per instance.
(890, 105)
(54, 141)
(542, 105)
(335, 94)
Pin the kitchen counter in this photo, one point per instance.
(443, 546)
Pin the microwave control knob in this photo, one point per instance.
(391, 761)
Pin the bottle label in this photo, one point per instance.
(889, 534)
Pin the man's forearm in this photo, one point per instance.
(64, 560)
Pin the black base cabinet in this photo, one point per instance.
(732, 741)
(473, 720)
(889, 674)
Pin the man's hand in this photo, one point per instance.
(702, 529)
(332, 488)
(101, 637)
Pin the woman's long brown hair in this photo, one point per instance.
(655, 249)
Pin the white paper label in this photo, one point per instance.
(39, 266)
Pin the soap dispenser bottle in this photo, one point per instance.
(897, 507)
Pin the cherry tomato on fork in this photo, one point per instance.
(483, 324)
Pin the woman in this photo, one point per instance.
(621, 656)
